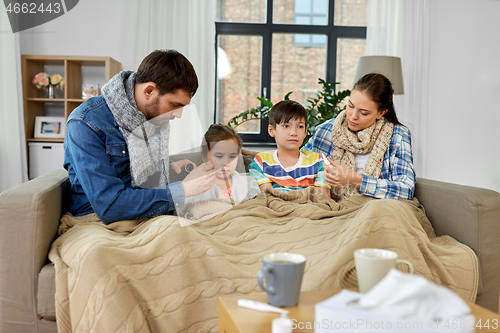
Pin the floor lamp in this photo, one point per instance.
(388, 66)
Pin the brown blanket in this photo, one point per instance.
(153, 275)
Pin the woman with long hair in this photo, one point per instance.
(369, 150)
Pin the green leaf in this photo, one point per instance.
(265, 101)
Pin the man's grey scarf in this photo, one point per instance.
(147, 143)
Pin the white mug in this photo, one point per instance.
(373, 264)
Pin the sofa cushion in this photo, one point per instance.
(46, 292)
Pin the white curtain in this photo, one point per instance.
(189, 27)
(13, 168)
(400, 28)
(385, 28)
(416, 70)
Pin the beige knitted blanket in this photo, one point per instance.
(153, 275)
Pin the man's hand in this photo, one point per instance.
(338, 175)
(200, 180)
(180, 165)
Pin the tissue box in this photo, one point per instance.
(339, 314)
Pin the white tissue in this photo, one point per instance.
(398, 303)
(412, 297)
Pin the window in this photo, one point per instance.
(310, 12)
(269, 48)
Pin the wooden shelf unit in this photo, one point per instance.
(72, 68)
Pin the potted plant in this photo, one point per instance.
(326, 105)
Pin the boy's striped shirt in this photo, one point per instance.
(308, 171)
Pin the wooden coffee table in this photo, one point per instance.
(235, 319)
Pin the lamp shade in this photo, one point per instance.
(385, 65)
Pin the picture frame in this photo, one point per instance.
(50, 127)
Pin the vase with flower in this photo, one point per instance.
(44, 81)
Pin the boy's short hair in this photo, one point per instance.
(169, 70)
(285, 111)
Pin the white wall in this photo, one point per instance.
(464, 112)
(91, 28)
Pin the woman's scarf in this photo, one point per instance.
(374, 140)
(147, 143)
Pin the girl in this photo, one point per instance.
(222, 147)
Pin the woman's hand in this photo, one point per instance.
(338, 175)
(200, 180)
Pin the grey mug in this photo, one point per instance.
(282, 273)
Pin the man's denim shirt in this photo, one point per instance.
(96, 157)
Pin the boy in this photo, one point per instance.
(288, 168)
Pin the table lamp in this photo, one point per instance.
(388, 66)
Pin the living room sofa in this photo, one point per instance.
(30, 212)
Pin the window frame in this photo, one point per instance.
(266, 31)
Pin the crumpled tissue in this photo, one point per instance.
(399, 302)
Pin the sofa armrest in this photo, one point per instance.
(29, 218)
(471, 215)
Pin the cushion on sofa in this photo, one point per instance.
(46, 290)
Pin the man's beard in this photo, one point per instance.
(152, 108)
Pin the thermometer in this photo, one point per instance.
(327, 162)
